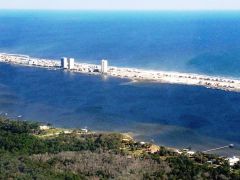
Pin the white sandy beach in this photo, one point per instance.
(222, 83)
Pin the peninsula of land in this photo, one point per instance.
(30, 150)
(215, 82)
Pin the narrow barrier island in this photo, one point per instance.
(133, 74)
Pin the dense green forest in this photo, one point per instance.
(24, 154)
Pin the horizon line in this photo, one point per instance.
(92, 9)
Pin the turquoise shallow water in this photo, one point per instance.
(173, 115)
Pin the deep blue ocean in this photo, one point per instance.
(173, 115)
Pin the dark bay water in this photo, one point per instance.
(173, 115)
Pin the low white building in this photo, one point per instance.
(104, 66)
(190, 153)
(178, 151)
(186, 151)
(30, 62)
(71, 63)
(44, 127)
(67, 131)
(232, 161)
(85, 130)
(64, 63)
(142, 143)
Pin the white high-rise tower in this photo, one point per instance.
(104, 66)
(64, 63)
(71, 63)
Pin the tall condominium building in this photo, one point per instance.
(71, 63)
(64, 63)
(104, 66)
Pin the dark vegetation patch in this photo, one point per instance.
(23, 155)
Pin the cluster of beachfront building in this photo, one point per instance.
(228, 84)
(69, 63)
(66, 63)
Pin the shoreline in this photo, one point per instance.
(51, 131)
(47, 150)
(133, 74)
